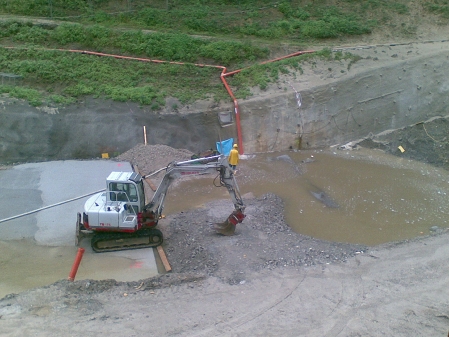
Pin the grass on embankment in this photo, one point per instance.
(52, 76)
(60, 77)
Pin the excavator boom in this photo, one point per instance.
(191, 167)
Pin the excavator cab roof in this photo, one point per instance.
(123, 177)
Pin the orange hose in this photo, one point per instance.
(236, 106)
(236, 110)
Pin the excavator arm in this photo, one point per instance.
(176, 170)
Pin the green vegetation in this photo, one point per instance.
(165, 46)
(439, 6)
(299, 20)
(262, 75)
(32, 95)
(74, 75)
(235, 34)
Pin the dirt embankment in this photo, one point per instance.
(425, 142)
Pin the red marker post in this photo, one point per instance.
(76, 264)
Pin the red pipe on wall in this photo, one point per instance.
(236, 106)
(236, 110)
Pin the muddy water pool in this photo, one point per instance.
(380, 198)
(25, 265)
(373, 197)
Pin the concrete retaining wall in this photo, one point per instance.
(29, 134)
(347, 109)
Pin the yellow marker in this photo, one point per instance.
(105, 155)
(401, 149)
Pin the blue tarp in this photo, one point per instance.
(225, 146)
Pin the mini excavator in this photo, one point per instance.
(119, 219)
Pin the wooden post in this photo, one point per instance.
(145, 135)
(164, 259)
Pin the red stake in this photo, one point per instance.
(76, 264)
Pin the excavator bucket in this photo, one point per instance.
(228, 227)
(224, 228)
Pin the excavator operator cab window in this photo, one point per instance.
(122, 192)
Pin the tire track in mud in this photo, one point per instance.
(230, 326)
(314, 313)
(351, 297)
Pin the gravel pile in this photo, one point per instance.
(262, 242)
(149, 158)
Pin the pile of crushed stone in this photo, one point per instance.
(263, 241)
(149, 158)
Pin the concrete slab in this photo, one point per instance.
(31, 186)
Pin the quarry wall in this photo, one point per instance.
(357, 105)
(362, 105)
(94, 127)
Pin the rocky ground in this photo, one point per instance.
(425, 142)
(262, 241)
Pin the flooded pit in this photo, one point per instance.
(380, 198)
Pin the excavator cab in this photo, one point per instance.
(126, 187)
(115, 215)
(117, 208)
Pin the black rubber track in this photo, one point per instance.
(152, 233)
